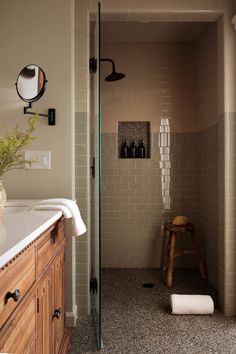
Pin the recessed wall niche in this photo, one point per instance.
(134, 140)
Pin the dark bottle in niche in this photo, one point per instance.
(141, 149)
(133, 150)
(124, 150)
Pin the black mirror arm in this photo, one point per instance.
(51, 114)
(28, 107)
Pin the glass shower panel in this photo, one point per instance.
(96, 175)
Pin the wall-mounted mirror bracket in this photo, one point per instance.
(51, 114)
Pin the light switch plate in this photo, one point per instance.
(41, 160)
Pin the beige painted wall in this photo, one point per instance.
(40, 32)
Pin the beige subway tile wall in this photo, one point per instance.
(82, 243)
(160, 83)
(194, 157)
(160, 78)
(208, 119)
(133, 212)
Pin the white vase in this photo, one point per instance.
(3, 199)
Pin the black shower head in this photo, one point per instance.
(114, 76)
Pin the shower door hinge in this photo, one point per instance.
(93, 168)
(93, 65)
(93, 285)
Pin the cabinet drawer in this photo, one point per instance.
(16, 278)
(21, 338)
(49, 244)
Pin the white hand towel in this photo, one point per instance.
(191, 304)
(69, 209)
(65, 211)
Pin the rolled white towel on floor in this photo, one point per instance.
(191, 304)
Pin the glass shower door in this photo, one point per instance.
(96, 175)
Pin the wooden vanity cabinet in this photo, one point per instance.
(44, 314)
(59, 301)
(20, 337)
(35, 322)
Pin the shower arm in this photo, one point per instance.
(93, 64)
(111, 61)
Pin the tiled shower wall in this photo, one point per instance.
(159, 84)
(82, 243)
(133, 212)
(209, 199)
(208, 121)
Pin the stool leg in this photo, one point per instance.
(165, 247)
(167, 253)
(198, 254)
(170, 259)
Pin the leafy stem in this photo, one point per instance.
(12, 143)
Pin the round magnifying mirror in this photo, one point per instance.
(31, 83)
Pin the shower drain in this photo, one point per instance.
(148, 285)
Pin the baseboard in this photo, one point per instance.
(71, 317)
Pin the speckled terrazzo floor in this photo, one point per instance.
(137, 320)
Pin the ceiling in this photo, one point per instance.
(151, 31)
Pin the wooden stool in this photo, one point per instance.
(171, 254)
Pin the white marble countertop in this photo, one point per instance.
(20, 228)
(21, 202)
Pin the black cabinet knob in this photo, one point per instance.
(15, 295)
(57, 313)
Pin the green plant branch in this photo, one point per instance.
(11, 145)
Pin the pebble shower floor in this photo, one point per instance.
(137, 320)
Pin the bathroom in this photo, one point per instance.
(64, 55)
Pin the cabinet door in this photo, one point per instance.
(22, 337)
(59, 301)
(44, 314)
